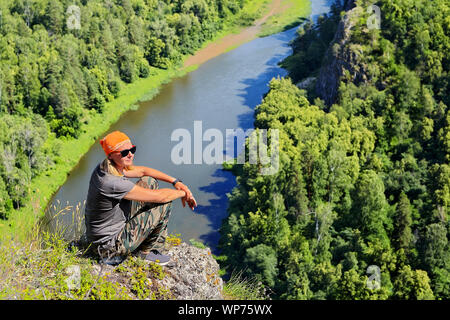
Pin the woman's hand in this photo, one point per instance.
(192, 203)
(189, 198)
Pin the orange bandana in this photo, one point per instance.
(113, 141)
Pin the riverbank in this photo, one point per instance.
(279, 15)
(71, 151)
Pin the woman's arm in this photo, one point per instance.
(141, 171)
(157, 196)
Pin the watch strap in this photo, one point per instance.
(175, 182)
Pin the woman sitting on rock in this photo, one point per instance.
(123, 217)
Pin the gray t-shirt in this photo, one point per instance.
(106, 211)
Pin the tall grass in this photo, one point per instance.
(65, 221)
(239, 287)
(39, 266)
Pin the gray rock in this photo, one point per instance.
(304, 84)
(195, 275)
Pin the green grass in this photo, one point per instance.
(241, 288)
(252, 11)
(297, 12)
(42, 267)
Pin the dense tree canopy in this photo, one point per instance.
(359, 206)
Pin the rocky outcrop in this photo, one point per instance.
(195, 275)
(342, 58)
(306, 83)
(192, 274)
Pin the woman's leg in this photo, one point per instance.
(146, 228)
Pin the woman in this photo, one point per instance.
(123, 217)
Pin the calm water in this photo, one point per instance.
(222, 93)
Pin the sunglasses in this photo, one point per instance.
(125, 152)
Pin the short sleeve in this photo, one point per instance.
(116, 187)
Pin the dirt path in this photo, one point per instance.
(232, 40)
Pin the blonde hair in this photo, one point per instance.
(108, 166)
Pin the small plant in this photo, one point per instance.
(140, 284)
(162, 294)
(174, 240)
(142, 276)
(156, 271)
(197, 244)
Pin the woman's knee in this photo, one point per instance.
(148, 182)
(153, 183)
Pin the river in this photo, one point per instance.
(221, 94)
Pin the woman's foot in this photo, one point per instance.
(156, 257)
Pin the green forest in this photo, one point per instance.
(360, 205)
(60, 65)
(359, 208)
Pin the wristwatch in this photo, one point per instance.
(175, 182)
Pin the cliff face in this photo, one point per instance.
(342, 58)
